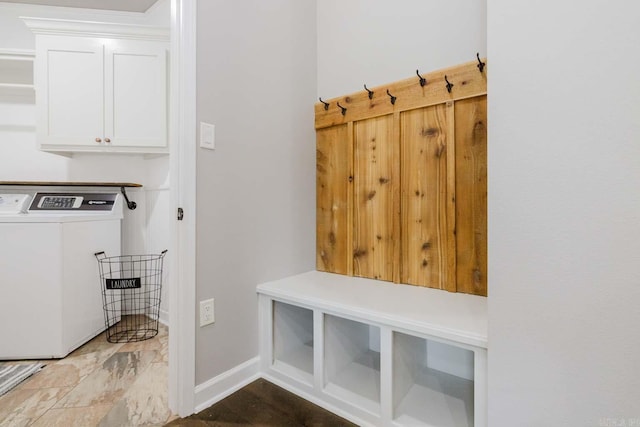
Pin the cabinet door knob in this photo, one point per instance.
(107, 140)
(98, 140)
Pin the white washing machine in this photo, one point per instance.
(50, 295)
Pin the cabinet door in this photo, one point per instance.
(471, 194)
(136, 94)
(426, 236)
(376, 186)
(334, 155)
(69, 91)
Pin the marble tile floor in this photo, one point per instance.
(98, 385)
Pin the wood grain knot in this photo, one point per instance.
(357, 253)
(480, 128)
(424, 263)
(426, 246)
(332, 238)
(477, 276)
(371, 195)
(429, 132)
(383, 180)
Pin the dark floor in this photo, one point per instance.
(262, 403)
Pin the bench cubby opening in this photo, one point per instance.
(352, 362)
(293, 341)
(433, 382)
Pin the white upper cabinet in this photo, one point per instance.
(136, 95)
(69, 76)
(103, 89)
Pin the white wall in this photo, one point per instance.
(564, 213)
(375, 42)
(256, 80)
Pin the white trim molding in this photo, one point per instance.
(17, 54)
(182, 290)
(67, 27)
(217, 388)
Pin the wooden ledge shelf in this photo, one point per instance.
(375, 352)
(69, 184)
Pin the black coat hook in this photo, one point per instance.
(344, 110)
(393, 98)
(449, 84)
(326, 104)
(423, 81)
(480, 63)
(369, 91)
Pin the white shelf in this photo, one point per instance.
(299, 358)
(375, 352)
(292, 371)
(16, 89)
(17, 86)
(458, 317)
(359, 383)
(437, 399)
(16, 73)
(17, 55)
(16, 66)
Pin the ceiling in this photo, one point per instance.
(123, 5)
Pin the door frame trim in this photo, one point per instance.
(182, 291)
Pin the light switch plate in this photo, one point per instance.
(207, 136)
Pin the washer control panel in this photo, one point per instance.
(60, 202)
(73, 202)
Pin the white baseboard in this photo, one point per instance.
(227, 383)
(223, 385)
(164, 317)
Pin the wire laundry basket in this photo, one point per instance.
(131, 290)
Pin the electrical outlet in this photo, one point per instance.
(206, 312)
(207, 136)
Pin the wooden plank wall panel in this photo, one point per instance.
(375, 156)
(376, 165)
(425, 236)
(333, 201)
(471, 195)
